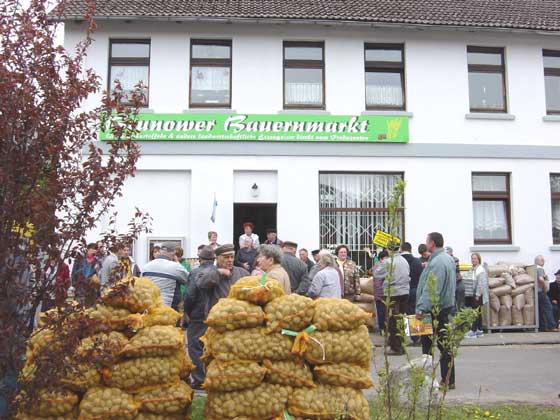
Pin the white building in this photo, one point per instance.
(479, 90)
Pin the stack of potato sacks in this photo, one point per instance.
(512, 296)
(143, 380)
(367, 301)
(273, 356)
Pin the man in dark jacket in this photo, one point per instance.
(196, 312)
(415, 271)
(296, 269)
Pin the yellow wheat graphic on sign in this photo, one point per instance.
(393, 128)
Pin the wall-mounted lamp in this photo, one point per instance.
(255, 190)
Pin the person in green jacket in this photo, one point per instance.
(442, 266)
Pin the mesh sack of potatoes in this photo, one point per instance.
(353, 346)
(40, 339)
(159, 340)
(256, 289)
(344, 374)
(234, 314)
(496, 282)
(82, 378)
(292, 312)
(246, 344)
(54, 403)
(523, 279)
(332, 314)
(134, 374)
(104, 403)
(116, 318)
(263, 402)
(152, 416)
(329, 402)
(165, 399)
(73, 415)
(136, 294)
(160, 315)
(289, 372)
(233, 376)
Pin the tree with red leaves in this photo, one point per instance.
(55, 183)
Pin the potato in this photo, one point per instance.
(159, 340)
(252, 290)
(291, 312)
(233, 376)
(332, 314)
(289, 373)
(326, 402)
(107, 404)
(165, 399)
(344, 374)
(352, 346)
(233, 314)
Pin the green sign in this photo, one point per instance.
(257, 127)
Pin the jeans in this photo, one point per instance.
(556, 312)
(546, 317)
(380, 307)
(445, 361)
(195, 330)
(460, 295)
(472, 302)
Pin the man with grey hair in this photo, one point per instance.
(269, 260)
(166, 273)
(326, 282)
(546, 316)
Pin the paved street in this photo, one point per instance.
(502, 374)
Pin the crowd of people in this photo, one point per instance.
(399, 278)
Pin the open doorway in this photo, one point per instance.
(263, 217)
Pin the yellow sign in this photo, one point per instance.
(416, 327)
(24, 231)
(383, 239)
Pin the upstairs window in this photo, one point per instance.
(487, 82)
(552, 80)
(210, 74)
(491, 208)
(304, 75)
(129, 63)
(385, 88)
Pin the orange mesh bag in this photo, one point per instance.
(256, 289)
(152, 416)
(329, 402)
(40, 339)
(352, 346)
(289, 373)
(344, 374)
(233, 376)
(159, 340)
(262, 402)
(140, 294)
(247, 344)
(292, 312)
(233, 314)
(116, 318)
(332, 314)
(108, 404)
(165, 399)
(160, 315)
(54, 403)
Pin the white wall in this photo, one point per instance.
(436, 74)
(266, 181)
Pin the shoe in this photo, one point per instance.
(479, 333)
(470, 334)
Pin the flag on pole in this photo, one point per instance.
(213, 217)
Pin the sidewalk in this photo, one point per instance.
(498, 339)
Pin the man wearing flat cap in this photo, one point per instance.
(272, 237)
(217, 283)
(296, 269)
(166, 273)
(248, 229)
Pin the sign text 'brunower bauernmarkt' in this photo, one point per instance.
(257, 127)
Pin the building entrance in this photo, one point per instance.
(262, 215)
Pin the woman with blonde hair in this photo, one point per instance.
(477, 288)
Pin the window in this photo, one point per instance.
(385, 76)
(487, 83)
(210, 74)
(304, 75)
(129, 63)
(491, 208)
(351, 207)
(555, 191)
(552, 80)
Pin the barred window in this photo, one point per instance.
(352, 207)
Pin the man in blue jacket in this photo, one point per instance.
(442, 266)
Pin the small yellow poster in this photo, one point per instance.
(416, 327)
(383, 239)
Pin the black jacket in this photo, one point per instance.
(196, 298)
(415, 269)
(297, 271)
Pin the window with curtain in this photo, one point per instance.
(352, 206)
(491, 208)
(385, 87)
(210, 73)
(129, 63)
(555, 193)
(304, 75)
(487, 83)
(551, 61)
